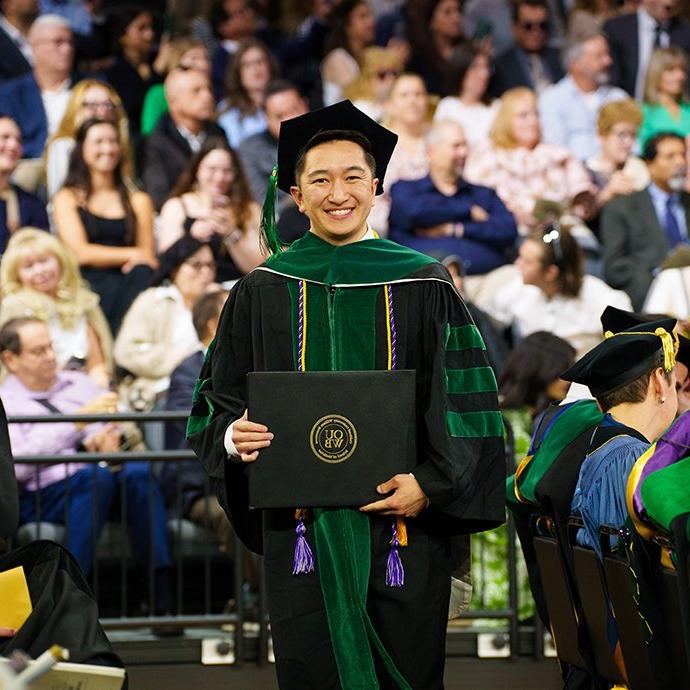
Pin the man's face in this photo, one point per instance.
(35, 365)
(53, 49)
(667, 168)
(336, 191)
(193, 96)
(10, 145)
(595, 60)
(25, 10)
(531, 30)
(661, 10)
(283, 106)
(448, 151)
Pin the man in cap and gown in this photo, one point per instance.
(362, 610)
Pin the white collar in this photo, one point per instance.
(370, 234)
(12, 31)
(646, 21)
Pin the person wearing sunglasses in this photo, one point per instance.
(531, 61)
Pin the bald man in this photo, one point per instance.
(442, 214)
(179, 133)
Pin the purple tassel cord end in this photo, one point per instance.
(304, 558)
(395, 574)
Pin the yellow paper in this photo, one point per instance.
(15, 602)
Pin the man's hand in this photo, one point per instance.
(478, 214)
(407, 498)
(249, 438)
(107, 440)
(7, 632)
(101, 404)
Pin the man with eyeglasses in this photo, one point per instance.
(530, 62)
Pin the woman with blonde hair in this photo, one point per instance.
(372, 86)
(39, 277)
(90, 98)
(665, 105)
(528, 174)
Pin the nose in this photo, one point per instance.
(338, 194)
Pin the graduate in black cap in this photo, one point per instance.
(632, 376)
(357, 598)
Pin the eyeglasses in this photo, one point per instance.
(387, 74)
(105, 105)
(552, 238)
(534, 26)
(199, 265)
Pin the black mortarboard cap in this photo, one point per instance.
(624, 356)
(616, 320)
(296, 133)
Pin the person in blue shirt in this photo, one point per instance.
(443, 214)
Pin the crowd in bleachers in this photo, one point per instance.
(541, 156)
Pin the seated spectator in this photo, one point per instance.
(37, 386)
(522, 168)
(90, 98)
(665, 106)
(669, 294)
(212, 203)
(182, 53)
(569, 108)
(434, 29)
(17, 207)
(443, 213)
(353, 28)
(531, 61)
(242, 110)
(615, 170)
(185, 485)
(37, 100)
(157, 332)
(15, 52)
(407, 114)
(631, 375)
(638, 231)
(553, 293)
(39, 277)
(179, 133)
(133, 70)
(472, 108)
(108, 226)
(372, 87)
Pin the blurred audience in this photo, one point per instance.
(443, 214)
(108, 224)
(242, 110)
(665, 106)
(638, 231)
(634, 36)
(157, 332)
(89, 99)
(569, 108)
(212, 203)
(37, 100)
(522, 168)
(182, 53)
(615, 170)
(17, 207)
(39, 277)
(352, 30)
(553, 293)
(531, 61)
(372, 87)
(669, 294)
(179, 133)
(472, 108)
(16, 17)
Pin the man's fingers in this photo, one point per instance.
(249, 457)
(384, 504)
(248, 436)
(250, 446)
(246, 425)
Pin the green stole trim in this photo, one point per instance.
(368, 262)
(343, 536)
(202, 408)
(666, 493)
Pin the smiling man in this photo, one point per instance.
(369, 608)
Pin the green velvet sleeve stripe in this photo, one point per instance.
(474, 424)
(472, 380)
(464, 337)
(202, 409)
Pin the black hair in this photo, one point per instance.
(464, 54)
(339, 20)
(516, 5)
(207, 307)
(9, 333)
(276, 86)
(120, 17)
(651, 148)
(327, 135)
(175, 255)
(534, 363)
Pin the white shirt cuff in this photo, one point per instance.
(229, 445)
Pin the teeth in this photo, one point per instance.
(339, 211)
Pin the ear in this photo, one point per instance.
(374, 185)
(551, 272)
(7, 357)
(296, 194)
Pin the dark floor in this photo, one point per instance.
(461, 674)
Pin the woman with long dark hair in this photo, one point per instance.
(105, 220)
(212, 202)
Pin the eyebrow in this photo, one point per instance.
(352, 168)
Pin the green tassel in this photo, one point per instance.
(268, 232)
